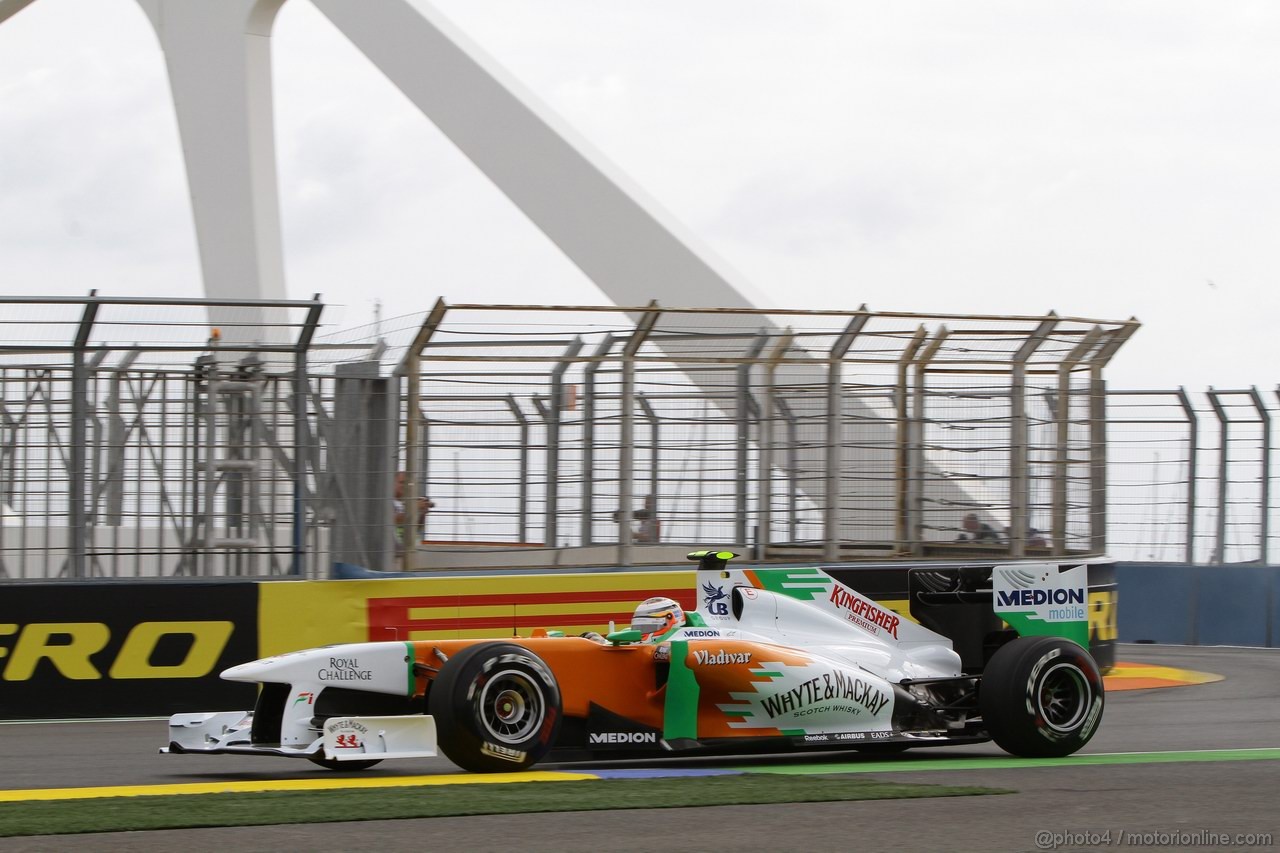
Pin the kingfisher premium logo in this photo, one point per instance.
(864, 613)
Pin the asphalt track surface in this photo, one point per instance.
(1228, 797)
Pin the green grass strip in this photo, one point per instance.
(214, 810)
(915, 764)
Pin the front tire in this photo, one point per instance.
(497, 708)
(1041, 697)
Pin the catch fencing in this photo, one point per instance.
(135, 440)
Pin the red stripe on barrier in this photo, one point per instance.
(548, 620)
(684, 596)
(390, 619)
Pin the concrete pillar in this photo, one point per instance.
(362, 466)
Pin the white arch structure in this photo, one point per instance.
(218, 57)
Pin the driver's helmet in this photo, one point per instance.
(654, 617)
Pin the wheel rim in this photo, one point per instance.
(511, 707)
(1063, 697)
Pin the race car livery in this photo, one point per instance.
(772, 659)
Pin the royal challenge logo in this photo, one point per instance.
(1043, 600)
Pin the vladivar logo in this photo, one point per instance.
(720, 657)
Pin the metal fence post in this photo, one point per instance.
(834, 433)
(589, 436)
(522, 500)
(655, 431)
(411, 368)
(902, 474)
(1111, 342)
(745, 403)
(1062, 448)
(915, 454)
(793, 487)
(766, 441)
(117, 435)
(555, 406)
(626, 442)
(1265, 417)
(1097, 461)
(1193, 444)
(1220, 549)
(302, 436)
(78, 461)
(1020, 435)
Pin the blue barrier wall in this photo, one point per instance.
(1204, 605)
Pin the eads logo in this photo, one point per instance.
(70, 647)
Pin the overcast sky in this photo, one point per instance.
(1100, 159)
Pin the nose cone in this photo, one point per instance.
(252, 671)
(264, 669)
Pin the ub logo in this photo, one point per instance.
(714, 599)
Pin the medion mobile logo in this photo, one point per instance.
(1045, 594)
(624, 737)
(1036, 597)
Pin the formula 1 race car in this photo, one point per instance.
(772, 660)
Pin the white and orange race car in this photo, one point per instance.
(772, 660)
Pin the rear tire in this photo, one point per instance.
(497, 708)
(1041, 697)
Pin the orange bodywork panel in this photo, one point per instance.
(623, 679)
(619, 678)
(725, 667)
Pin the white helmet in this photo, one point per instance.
(655, 617)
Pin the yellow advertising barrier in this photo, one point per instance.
(298, 615)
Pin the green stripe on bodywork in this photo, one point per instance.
(680, 713)
(1027, 624)
(908, 765)
(804, 584)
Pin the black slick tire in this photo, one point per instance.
(497, 708)
(1041, 697)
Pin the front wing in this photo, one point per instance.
(342, 738)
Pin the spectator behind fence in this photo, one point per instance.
(401, 516)
(649, 527)
(973, 530)
(1035, 538)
